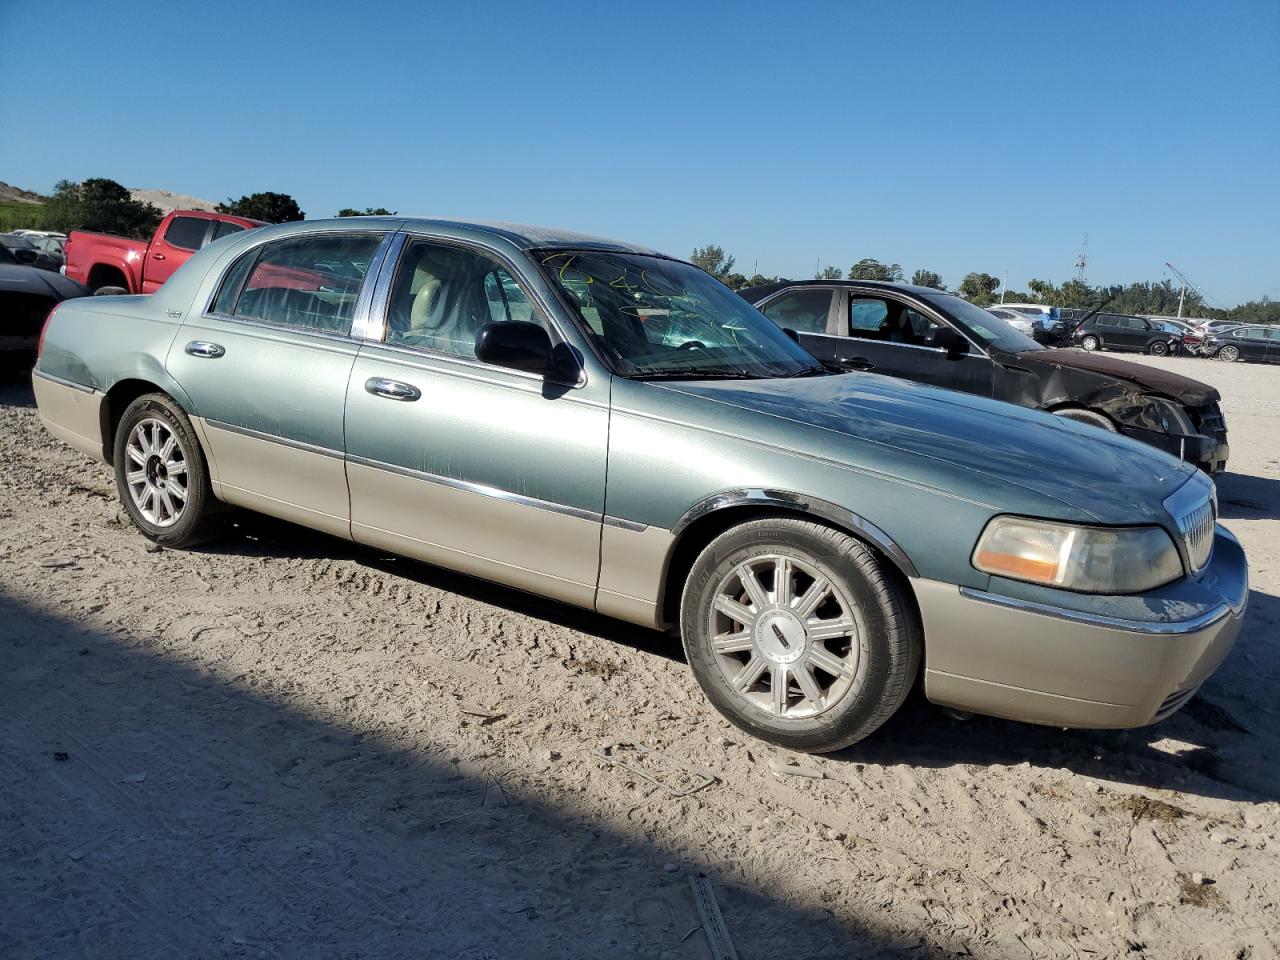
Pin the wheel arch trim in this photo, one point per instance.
(789, 501)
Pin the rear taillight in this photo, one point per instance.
(45, 329)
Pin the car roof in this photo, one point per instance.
(523, 236)
(760, 291)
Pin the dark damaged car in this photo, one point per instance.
(27, 296)
(935, 337)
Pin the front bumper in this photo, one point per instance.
(1210, 454)
(995, 654)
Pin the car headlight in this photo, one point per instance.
(1079, 558)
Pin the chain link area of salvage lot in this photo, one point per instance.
(286, 745)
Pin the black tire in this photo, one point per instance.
(1159, 349)
(1081, 415)
(1090, 342)
(201, 515)
(110, 292)
(882, 653)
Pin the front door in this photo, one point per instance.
(267, 369)
(884, 334)
(482, 469)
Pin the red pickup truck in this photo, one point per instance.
(109, 264)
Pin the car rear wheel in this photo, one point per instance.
(161, 474)
(1081, 415)
(1090, 342)
(1159, 349)
(1229, 353)
(798, 634)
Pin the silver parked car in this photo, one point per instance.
(603, 425)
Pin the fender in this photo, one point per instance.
(799, 503)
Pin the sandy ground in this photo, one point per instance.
(288, 746)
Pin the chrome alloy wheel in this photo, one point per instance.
(156, 472)
(786, 636)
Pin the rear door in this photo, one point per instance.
(182, 237)
(266, 367)
(1254, 342)
(812, 313)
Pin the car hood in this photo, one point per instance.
(20, 278)
(982, 443)
(1184, 389)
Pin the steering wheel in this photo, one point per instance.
(692, 345)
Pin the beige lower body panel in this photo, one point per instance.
(1040, 668)
(541, 551)
(301, 486)
(71, 415)
(632, 563)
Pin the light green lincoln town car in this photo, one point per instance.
(612, 428)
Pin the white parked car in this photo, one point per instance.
(1019, 321)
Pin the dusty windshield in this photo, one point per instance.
(657, 318)
(988, 329)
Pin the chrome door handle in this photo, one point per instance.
(203, 348)
(392, 389)
(856, 363)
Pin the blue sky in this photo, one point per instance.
(952, 136)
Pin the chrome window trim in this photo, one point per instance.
(208, 312)
(785, 499)
(1152, 628)
(275, 438)
(281, 328)
(382, 303)
(482, 489)
(361, 316)
(63, 383)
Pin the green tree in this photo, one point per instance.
(868, 268)
(268, 206)
(978, 288)
(366, 212)
(927, 278)
(1043, 291)
(734, 281)
(102, 205)
(1265, 310)
(827, 273)
(713, 260)
(759, 279)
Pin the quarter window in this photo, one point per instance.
(443, 296)
(186, 232)
(307, 283)
(804, 311)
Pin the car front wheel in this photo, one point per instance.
(161, 474)
(798, 634)
(1090, 342)
(1229, 353)
(1081, 415)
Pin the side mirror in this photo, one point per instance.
(952, 341)
(520, 345)
(791, 333)
(25, 256)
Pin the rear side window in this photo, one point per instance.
(225, 229)
(307, 283)
(802, 310)
(186, 232)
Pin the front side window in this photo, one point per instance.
(443, 296)
(981, 326)
(874, 318)
(804, 311)
(186, 232)
(657, 318)
(306, 283)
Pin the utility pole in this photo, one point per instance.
(1186, 282)
(1004, 285)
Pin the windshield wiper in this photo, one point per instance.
(816, 370)
(694, 373)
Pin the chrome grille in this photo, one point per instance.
(1194, 508)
